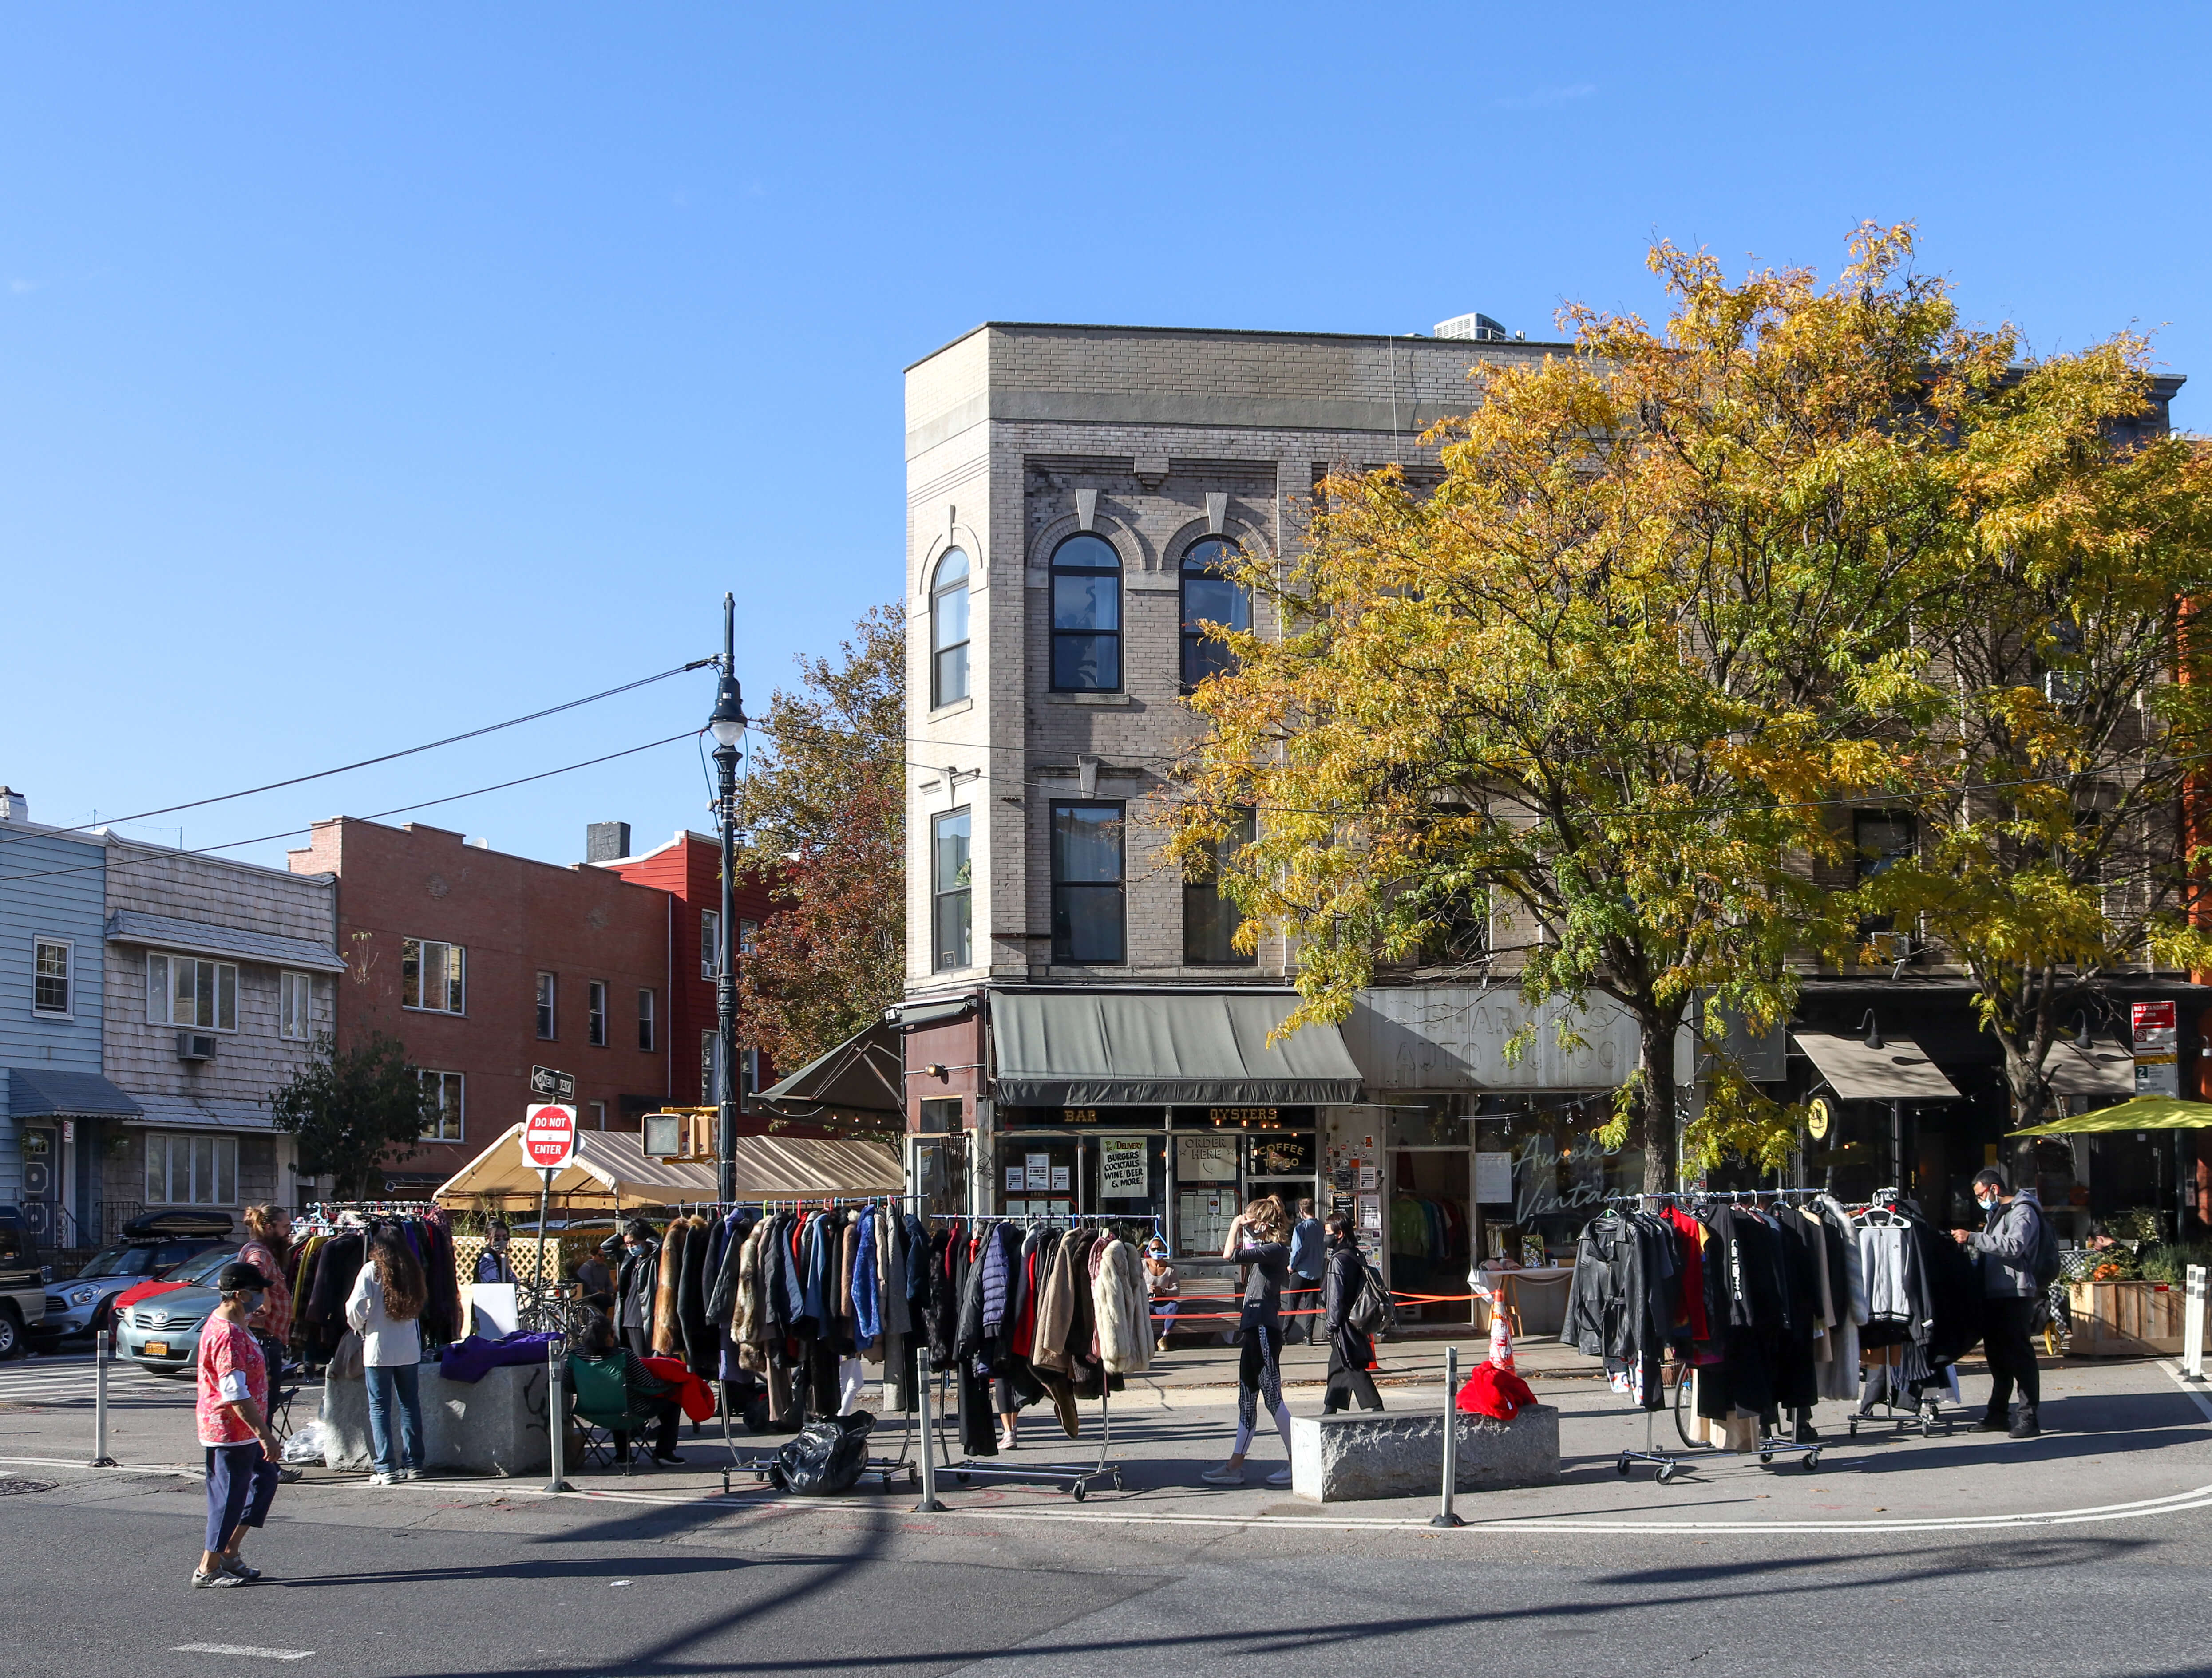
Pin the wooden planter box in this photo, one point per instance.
(2115, 1319)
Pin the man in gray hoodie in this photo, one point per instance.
(2006, 1249)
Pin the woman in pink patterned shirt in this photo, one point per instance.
(233, 1412)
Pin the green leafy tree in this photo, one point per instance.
(354, 1110)
(2055, 779)
(1601, 680)
(825, 808)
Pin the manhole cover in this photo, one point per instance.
(9, 1488)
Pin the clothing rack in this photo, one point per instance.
(1927, 1415)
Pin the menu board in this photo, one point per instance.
(1202, 1220)
(1205, 1159)
(1122, 1174)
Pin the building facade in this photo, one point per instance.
(1081, 1034)
(54, 1099)
(219, 978)
(484, 965)
(688, 868)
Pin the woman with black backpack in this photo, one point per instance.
(1350, 1350)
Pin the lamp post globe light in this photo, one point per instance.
(728, 723)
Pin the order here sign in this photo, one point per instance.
(548, 1136)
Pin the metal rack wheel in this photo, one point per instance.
(1081, 1491)
(1811, 1462)
(1667, 1472)
(1766, 1459)
(1621, 1467)
(1852, 1428)
(1117, 1479)
(960, 1475)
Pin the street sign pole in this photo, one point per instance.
(545, 1193)
(728, 723)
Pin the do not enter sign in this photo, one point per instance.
(548, 1136)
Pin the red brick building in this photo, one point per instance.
(688, 868)
(485, 964)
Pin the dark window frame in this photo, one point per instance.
(549, 1007)
(1066, 893)
(1195, 646)
(595, 1013)
(1058, 568)
(1223, 918)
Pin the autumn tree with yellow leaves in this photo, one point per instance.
(1609, 682)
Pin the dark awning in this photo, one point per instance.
(1899, 1070)
(913, 1016)
(1121, 1048)
(42, 1093)
(864, 1074)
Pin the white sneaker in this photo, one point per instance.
(1224, 1476)
(384, 1480)
(1280, 1477)
(1006, 1442)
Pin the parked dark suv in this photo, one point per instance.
(22, 1281)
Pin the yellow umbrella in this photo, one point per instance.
(2144, 1112)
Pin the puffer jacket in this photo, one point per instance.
(2006, 1248)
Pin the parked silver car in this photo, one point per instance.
(162, 1334)
(83, 1304)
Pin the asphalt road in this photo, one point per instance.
(379, 1583)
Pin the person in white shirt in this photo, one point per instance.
(385, 1310)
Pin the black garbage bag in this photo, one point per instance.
(826, 1458)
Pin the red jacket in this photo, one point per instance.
(1491, 1391)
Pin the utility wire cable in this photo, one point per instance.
(156, 852)
(387, 757)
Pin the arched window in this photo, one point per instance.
(1210, 595)
(1086, 617)
(948, 629)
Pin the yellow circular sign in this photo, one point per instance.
(1816, 1121)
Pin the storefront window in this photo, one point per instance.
(1561, 1175)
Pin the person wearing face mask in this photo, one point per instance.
(2007, 1248)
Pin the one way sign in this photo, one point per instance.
(552, 1086)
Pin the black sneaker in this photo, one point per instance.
(2027, 1428)
(1993, 1424)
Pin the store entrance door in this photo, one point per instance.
(1426, 1233)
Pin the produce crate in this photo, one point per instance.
(2123, 1320)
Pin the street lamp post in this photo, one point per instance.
(728, 724)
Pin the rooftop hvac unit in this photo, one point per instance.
(195, 1046)
(1480, 328)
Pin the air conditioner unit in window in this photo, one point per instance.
(195, 1046)
(1896, 948)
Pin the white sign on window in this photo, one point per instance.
(1493, 1178)
(1122, 1174)
(1205, 1159)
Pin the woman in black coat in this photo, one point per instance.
(1350, 1351)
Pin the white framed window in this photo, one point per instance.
(645, 1020)
(445, 1088)
(433, 975)
(191, 990)
(52, 963)
(545, 1000)
(295, 1006)
(595, 1013)
(948, 630)
(748, 933)
(710, 943)
(187, 1169)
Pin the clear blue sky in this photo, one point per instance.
(370, 373)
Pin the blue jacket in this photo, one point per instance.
(867, 1305)
(1308, 1242)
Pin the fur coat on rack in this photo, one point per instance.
(667, 1336)
(1122, 1308)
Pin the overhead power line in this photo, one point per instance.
(156, 853)
(387, 757)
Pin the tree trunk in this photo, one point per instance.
(1662, 1120)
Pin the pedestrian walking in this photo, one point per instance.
(1351, 1351)
(1162, 1289)
(2008, 1248)
(492, 1264)
(1259, 1238)
(385, 1310)
(1309, 1258)
(232, 1409)
(268, 1248)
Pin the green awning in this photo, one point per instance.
(864, 1074)
(2145, 1112)
(1134, 1049)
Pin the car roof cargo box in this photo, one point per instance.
(169, 1226)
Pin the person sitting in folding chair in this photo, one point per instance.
(615, 1391)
